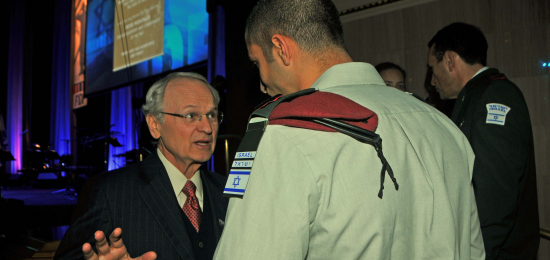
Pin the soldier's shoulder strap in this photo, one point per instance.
(258, 121)
(266, 107)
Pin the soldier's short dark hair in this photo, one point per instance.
(314, 25)
(466, 40)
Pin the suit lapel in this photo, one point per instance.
(214, 202)
(157, 195)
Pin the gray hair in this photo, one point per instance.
(154, 99)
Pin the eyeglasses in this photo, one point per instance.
(191, 119)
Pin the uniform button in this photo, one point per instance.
(200, 244)
(463, 98)
(461, 123)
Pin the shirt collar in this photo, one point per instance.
(350, 73)
(480, 70)
(177, 179)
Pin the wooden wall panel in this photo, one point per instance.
(536, 90)
(544, 249)
(517, 51)
(416, 71)
(518, 33)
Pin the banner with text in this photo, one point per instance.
(79, 35)
(139, 31)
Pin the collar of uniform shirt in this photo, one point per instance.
(178, 180)
(480, 70)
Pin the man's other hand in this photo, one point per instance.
(115, 251)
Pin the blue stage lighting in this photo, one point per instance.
(544, 64)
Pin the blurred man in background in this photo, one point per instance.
(492, 113)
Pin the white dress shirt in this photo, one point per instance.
(480, 70)
(178, 180)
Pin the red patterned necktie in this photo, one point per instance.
(191, 207)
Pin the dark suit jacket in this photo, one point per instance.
(140, 200)
(504, 175)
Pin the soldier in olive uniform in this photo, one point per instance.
(492, 113)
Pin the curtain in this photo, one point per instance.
(216, 51)
(60, 126)
(122, 127)
(14, 113)
(216, 45)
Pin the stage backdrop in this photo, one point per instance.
(184, 40)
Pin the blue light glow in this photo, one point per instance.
(544, 64)
(185, 43)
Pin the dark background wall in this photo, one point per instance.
(243, 80)
(38, 70)
(4, 30)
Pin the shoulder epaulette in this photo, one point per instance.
(258, 121)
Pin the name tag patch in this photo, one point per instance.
(245, 155)
(242, 164)
(496, 113)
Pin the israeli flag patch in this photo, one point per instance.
(236, 182)
(496, 113)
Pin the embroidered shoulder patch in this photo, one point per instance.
(496, 113)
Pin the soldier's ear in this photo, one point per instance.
(281, 48)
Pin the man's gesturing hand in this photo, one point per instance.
(116, 251)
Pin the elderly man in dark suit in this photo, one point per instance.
(168, 203)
